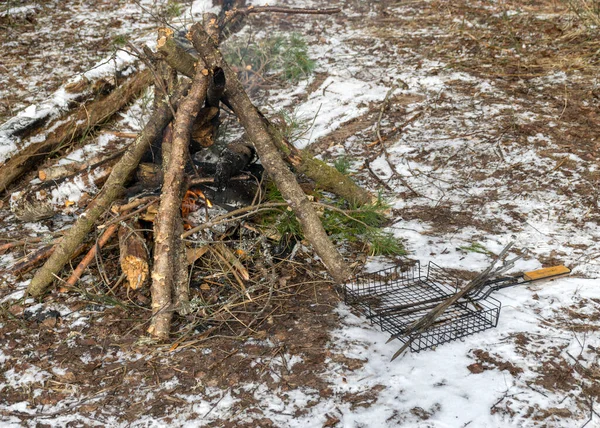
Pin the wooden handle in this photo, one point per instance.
(546, 273)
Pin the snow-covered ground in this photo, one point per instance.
(473, 165)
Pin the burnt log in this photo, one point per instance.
(326, 176)
(234, 159)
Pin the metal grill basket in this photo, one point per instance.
(396, 297)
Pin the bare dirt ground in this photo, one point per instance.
(507, 146)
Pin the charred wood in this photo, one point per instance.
(234, 159)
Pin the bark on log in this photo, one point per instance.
(181, 290)
(259, 134)
(133, 255)
(24, 123)
(85, 118)
(326, 176)
(211, 26)
(173, 54)
(168, 251)
(110, 192)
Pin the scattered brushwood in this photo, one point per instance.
(222, 264)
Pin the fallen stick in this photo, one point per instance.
(60, 172)
(80, 122)
(35, 203)
(37, 257)
(259, 134)
(277, 9)
(10, 245)
(31, 260)
(89, 257)
(148, 201)
(389, 161)
(134, 204)
(169, 254)
(112, 189)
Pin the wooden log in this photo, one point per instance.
(111, 190)
(168, 252)
(35, 203)
(133, 256)
(27, 121)
(77, 124)
(58, 172)
(173, 54)
(259, 134)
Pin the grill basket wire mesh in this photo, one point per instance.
(395, 297)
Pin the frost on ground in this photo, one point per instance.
(491, 137)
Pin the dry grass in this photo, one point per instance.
(511, 40)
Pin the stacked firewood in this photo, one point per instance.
(154, 178)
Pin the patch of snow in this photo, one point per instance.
(31, 375)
